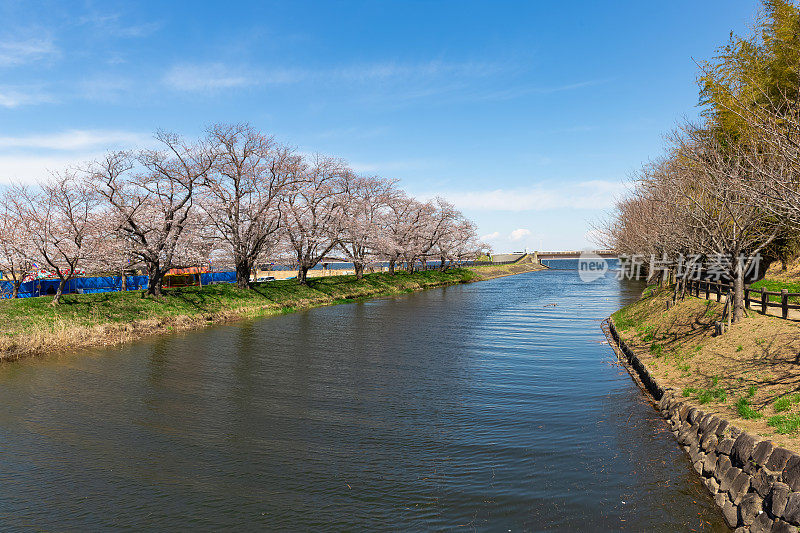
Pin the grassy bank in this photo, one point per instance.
(31, 326)
(498, 271)
(750, 375)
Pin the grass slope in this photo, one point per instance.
(32, 326)
(750, 375)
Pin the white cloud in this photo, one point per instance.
(215, 75)
(31, 158)
(18, 96)
(114, 24)
(593, 194)
(386, 70)
(490, 236)
(75, 140)
(34, 168)
(207, 77)
(519, 234)
(18, 52)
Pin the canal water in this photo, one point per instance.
(489, 406)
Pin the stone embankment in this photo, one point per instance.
(755, 483)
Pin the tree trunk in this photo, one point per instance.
(16, 284)
(359, 268)
(154, 283)
(59, 292)
(123, 285)
(738, 292)
(243, 269)
(443, 264)
(391, 267)
(302, 275)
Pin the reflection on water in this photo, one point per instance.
(480, 406)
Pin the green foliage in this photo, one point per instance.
(750, 70)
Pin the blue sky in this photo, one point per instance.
(528, 115)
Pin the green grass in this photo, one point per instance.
(21, 317)
(784, 424)
(784, 403)
(657, 349)
(745, 410)
(704, 396)
(776, 286)
(717, 394)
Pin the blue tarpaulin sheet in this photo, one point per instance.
(46, 287)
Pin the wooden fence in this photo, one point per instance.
(718, 289)
(764, 301)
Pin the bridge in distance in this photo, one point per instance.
(564, 254)
(575, 254)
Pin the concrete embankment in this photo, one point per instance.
(754, 482)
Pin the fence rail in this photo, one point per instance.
(718, 288)
(763, 300)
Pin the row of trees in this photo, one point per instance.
(728, 186)
(234, 197)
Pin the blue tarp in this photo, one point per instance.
(217, 277)
(45, 287)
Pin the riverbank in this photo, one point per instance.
(733, 401)
(750, 375)
(30, 326)
(524, 265)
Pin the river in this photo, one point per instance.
(494, 405)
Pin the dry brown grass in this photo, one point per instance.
(757, 359)
(791, 274)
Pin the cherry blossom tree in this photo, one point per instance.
(311, 212)
(365, 200)
(241, 196)
(154, 200)
(64, 225)
(16, 250)
(399, 229)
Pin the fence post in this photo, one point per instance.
(785, 303)
(747, 299)
(719, 294)
(729, 303)
(708, 290)
(763, 301)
